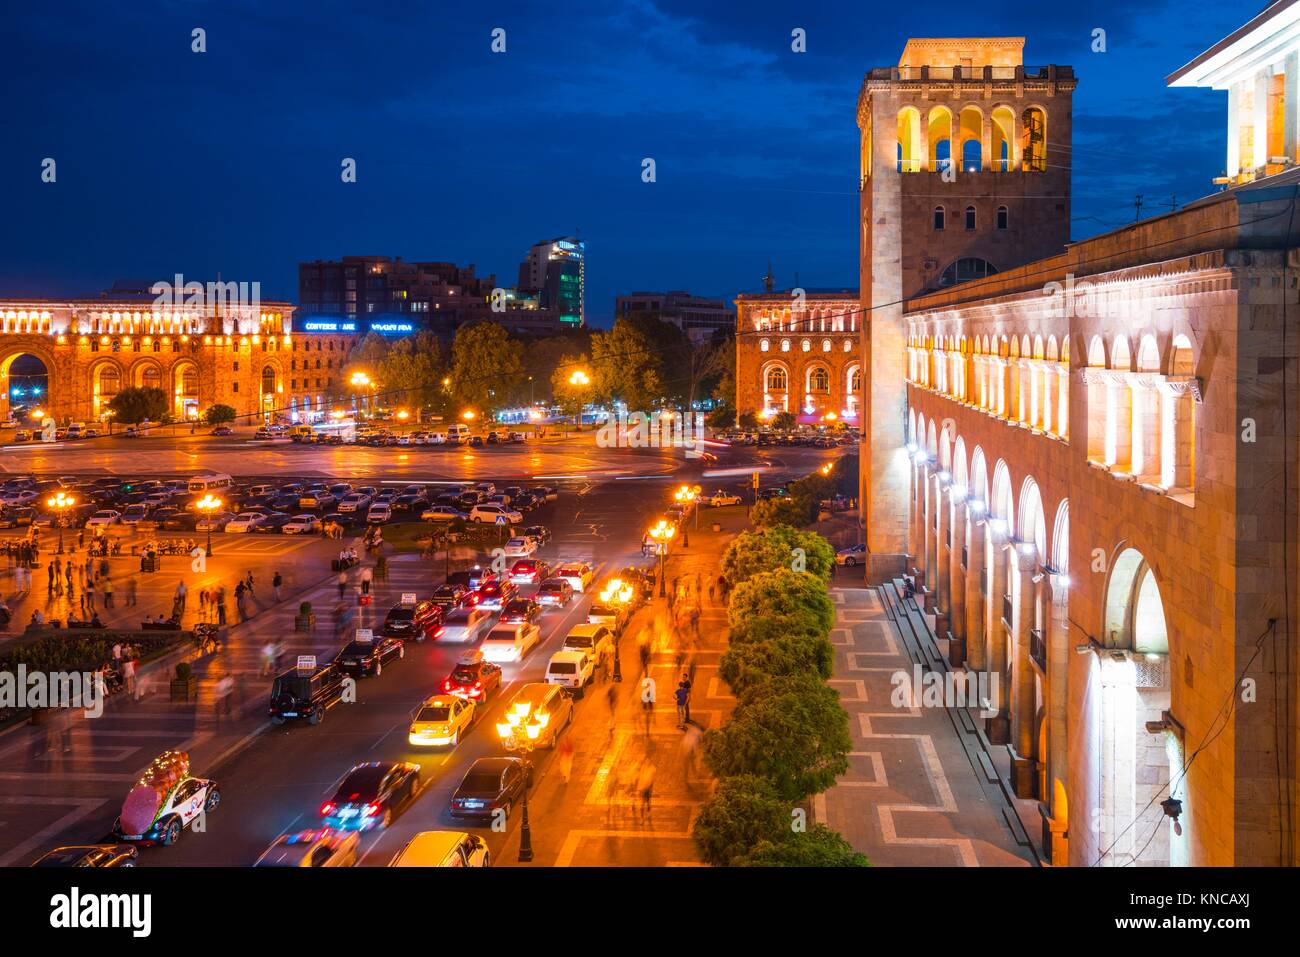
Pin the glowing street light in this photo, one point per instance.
(687, 495)
(520, 732)
(579, 378)
(60, 504)
(662, 534)
(469, 415)
(208, 506)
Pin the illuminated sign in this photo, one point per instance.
(390, 328)
(317, 325)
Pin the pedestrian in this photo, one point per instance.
(203, 603)
(130, 591)
(565, 758)
(683, 698)
(366, 576)
(117, 654)
(268, 658)
(690, 751)
(643, 649)
(695, 621)
(276, 582)
(88, 597)
(128, 676)
(248, 584)
(645, 785)
(343, 584)
(53, 580)
(108, 592)
(181, 595)
(381, 568)
(648, 702)
(225, 687)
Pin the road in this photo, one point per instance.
(277, 781)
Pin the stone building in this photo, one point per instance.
(83, 351)
(798, 351)
(1088, 462)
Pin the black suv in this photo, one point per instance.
(305, 694)
(416, 622)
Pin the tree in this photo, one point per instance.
(486, 366)
(744, 813)
(411, 372)
(133, 405)
(783, 510)
(570, 397)
(219, 414)
(782, 592)
(546, 357)
(791, 730)
(628, 363)
(783, 421)
(819, 847)
(745, 665)
(777, 546)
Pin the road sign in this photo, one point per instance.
(365, 634)
(306, 662)
(408, 598)
(503, 520)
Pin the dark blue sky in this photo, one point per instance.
(228, 161)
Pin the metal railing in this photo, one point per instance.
(1007, 614)
(1038, 648)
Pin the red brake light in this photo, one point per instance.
(327, 809)
(446, 684)
(478, 686)
(372, 810)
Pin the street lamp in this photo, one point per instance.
(619, 593)
(208, 505)
(687, 496)
(359, 381)
(520, 732)
(662, 535)
(579, 379)
(60, 504)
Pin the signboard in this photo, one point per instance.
(503, 520)
(319, 325)
(365, 634)
(408, 598)
(753, 482)
(306, 662)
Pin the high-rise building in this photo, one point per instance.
(555, 271)
(696, 316)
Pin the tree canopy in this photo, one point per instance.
(134, 404)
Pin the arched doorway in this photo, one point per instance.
(1137, 765)
(268, 392)
(26, 380)
(105, 382)
(185, 390)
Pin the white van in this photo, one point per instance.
(570, 669)
(510, 642)
(443, 849)
(210, 483)
(458, 432)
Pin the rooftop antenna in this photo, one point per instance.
(769, 281)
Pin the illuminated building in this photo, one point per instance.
(555, 270)
(697, 316)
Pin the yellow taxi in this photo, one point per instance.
(440, 721)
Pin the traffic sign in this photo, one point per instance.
(306, 662)
(365, 634)
(408, 598)
(502, 520)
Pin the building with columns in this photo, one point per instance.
(66, 358)
(1089, 463)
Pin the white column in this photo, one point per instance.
(1262, 83)
(976, 659)
(1291, 105)
(1234, 129)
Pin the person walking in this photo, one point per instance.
(130, 591)
(381, 569)
(248, 584)
(366, 576)
(565, 758)
(225, 688)
(648, 702)
(276, 582)
(128, 676)
(53, 580)
(108, 592)
(268, 658)
(88, 598)
(182, 594)
(645, 785)
(221, 605)
(683, 698)
(643, 649)
(203, 604)
(343, 584)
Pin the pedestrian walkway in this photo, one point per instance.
(917, 792)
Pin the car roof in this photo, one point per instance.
(491, 764)
(587, 630)
(437, 699)
(429, 846)
(568, 654)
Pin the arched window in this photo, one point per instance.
(1004, 217)
(805, 345)
(938, 217)
(1033, 139)
(966, 269)
(268, 380)
(970, 156)
(819, 380)
(776, 380)
(970, 217)
(785, 345)
(110, 382)
(855, 381)
(763, 345)
(151, 378)
(826, 345)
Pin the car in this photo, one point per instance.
(538, 533)
(407, 502)
(379, 513)
(417, 621)
(366, 656)
(274, 522)
(520, 546)
(301, 525)
(520, 610)
(578, 574)
(319, 499)
(491, 788)
(613, 615)
(354, 502)
(370, 795)
(473, 677)
(22, 435)
(135, 514)
(572, 670)
(476, 441)
(441, 720)
(495, 514)
(555, 591)
(245, 522)
(214, 521)
(550, 492)
(449, 596)
(21, 497)
(493, 595)
(720, 499)
(510, 642)
(306, 693)
(321, 847)
(443, 849)
(175, 520)
(104, 517)
(851, 556)
(17, 517)
(442, 513)
(596, 640)
(222, 430)
(184, 804)
(465, 624)
(89, 855)
(529, 571)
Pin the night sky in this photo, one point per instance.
(228, 161)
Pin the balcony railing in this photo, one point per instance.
(964, 562)
(1007, 614)
(1038, 648)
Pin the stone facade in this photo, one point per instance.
(797, 351)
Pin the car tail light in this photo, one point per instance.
(372, 810)
(446, 684)
(327, 809)
(478, 686)
(438, 632)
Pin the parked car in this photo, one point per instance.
(442, 513)
(495, 514)
(720, 499)
(572, 670)
(414, 621)
(366, 656)
(851, 556)
(305, 694)
(89, 855)
(104, 517)
(302, 525)
(520, 546)
(245, 522)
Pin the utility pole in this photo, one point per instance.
(1137, 207)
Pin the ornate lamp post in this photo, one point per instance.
(519, 732)
(359, 382)
(687, 495)
(579, 380)
(617, 593)
(208, 506)
(60, 504)
(662, 535)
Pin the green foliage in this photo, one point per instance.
(790, 730)
(774, 547)
(783, 421)
(570, 397)
(746, 664)
(819, 847)
(629, 362)
(786, 510)
(782, 592)
(486, 367)
(219, 414)
(745, 812)
(411, 372)
(748, 421)
(133, 405)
